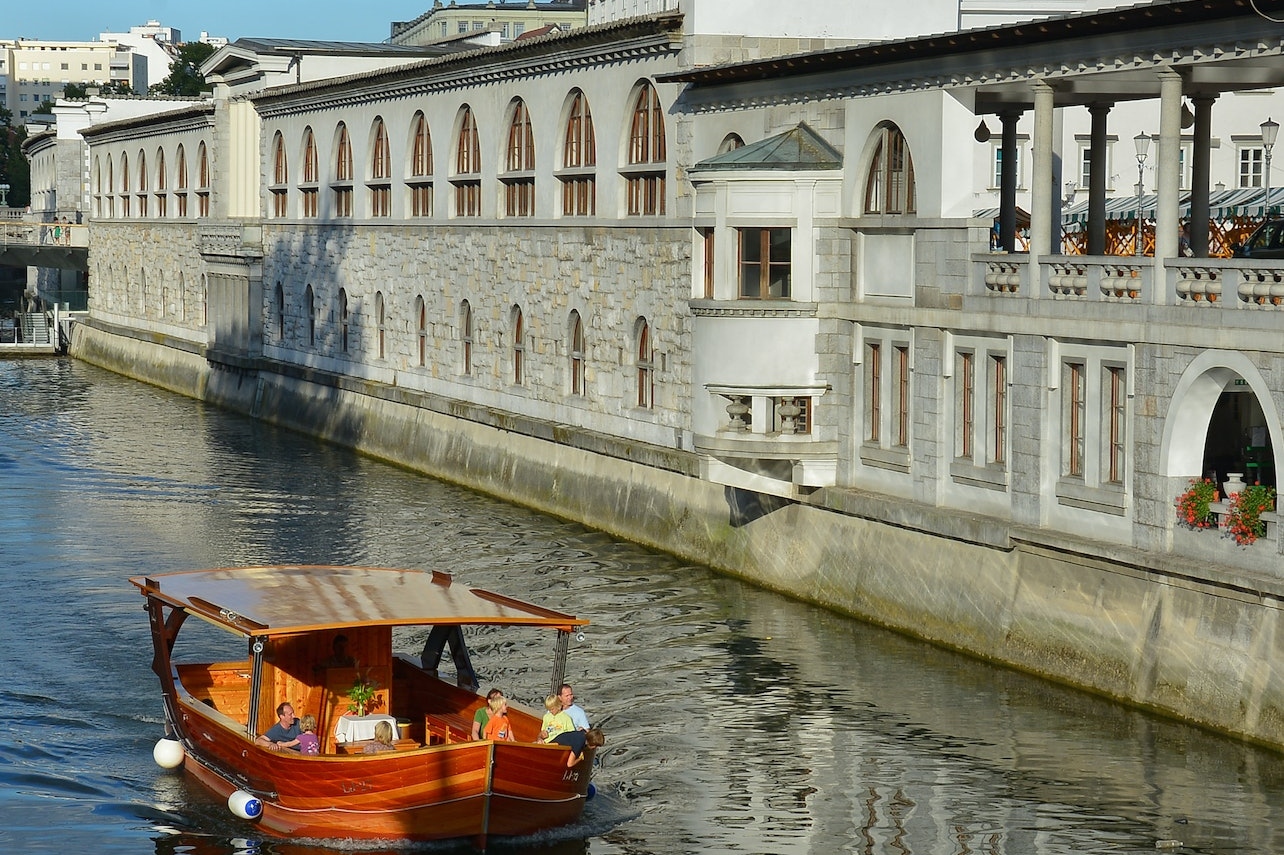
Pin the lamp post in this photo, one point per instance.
(1142, 143)
(1269, 131)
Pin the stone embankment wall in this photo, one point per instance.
(1173, 637)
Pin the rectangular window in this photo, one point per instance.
(421, 200)
(579, 196)
(967, 402)
(1118, 402)
(706, 236)
(1250, 166)
(202, 204)
(873, 391)
(308, 200)
(468, 199)
(182, 204)
(646, 195)
(998, 166)
(999, 403)
(519, 197)
(280, 199)
(1085, 167)
(381, 201)
(343, 201)
(765, 263)
(902, 397)
(1075, 394)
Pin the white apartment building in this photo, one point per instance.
(36, 71)
(154, 41)
(509, 20)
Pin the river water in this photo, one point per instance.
(737, 720)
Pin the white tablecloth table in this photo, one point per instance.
(358, 728)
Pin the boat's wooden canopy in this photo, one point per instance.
(286, 599)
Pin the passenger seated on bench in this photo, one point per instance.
(382, 739)
(497, 727)
(285, 733)
(483, 714)
(339, 657)
(555, 721)
(308, 742)
(577, 741)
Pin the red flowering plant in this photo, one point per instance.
(1244, 520)
(1192, 505)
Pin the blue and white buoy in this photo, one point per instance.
(245, 805)
(168, 753)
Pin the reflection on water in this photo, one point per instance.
(737, 721)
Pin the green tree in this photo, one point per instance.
(14, 169)
(185, 76)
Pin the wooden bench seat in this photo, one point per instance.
(448, 727)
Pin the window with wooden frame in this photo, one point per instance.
(901, 394)
(646, 169)
(380, 173)
(1074, 409)
(764, 263)
(142, 184)
(966, 385)
(344, 320)
(577, 354)
(419, 184)
(280, 190)
(707, 246)
(162, 198)
(465, 338)
(309, 190)
(645, 366)
(280, 313)
(180, 176)
(467, 177)
(341, 186)
(579, 161)
(873, 392)
(381, 325)
(519, 164)
(998, 377)
(124, 185)
(519, 347)
(310, 305)
(202, 181)
(1117, 420)
(421, 330)
(889, 185)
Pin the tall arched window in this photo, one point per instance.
(162, 198)
(466, 337)
(421, 329)
(519, 347)
(180, 181)
(343, 320)
(645, 365)
(280, 188)
(577, 354)
(381, 328)
(579, 159)
(310, 304)
(142, 183)
(280, 313)
(311, 178)
(889, 187)
(645, 173)
(519, 164)
(420, 181)
(380, 173)
(124, 185)
(202, 181)
(342, 184)
(467, 178)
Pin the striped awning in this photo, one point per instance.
(1222, 205)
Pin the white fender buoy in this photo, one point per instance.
(245, 805)
(168, 753)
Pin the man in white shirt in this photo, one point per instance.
(572, 709)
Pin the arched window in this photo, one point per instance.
(380, 173)
(645, 365)
(421, 329)
(280, 189)
(162, 199)
(99, 209)
(467, 178)
(466, 337)
(343, 320)
(889, 187)
(519, 347)
(645, 173)
(420, 180)
(579, 157)
(577, 354)
(310, 304)
(124, 185)
(280, 313)
(342, 184)
(380, 325)
(519, 164)
(730, 142)
(180, 180)
(111, 187)
(202, 181)
(308, 191)
(142, 183)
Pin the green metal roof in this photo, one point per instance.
(799, 148)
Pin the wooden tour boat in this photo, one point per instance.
(437, 784)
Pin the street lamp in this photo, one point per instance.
(1142, 142)
(1269, 131)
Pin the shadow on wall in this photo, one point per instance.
(747, 506)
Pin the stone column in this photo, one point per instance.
(1099, 169)
(1008, 180)
(1200, 174)
(1168, 183)
(1041, 183)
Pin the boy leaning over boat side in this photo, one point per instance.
(555, 720)
(577, 741)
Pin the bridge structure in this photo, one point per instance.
(59, 245)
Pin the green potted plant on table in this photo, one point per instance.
(1244, 520)
(362, 694)
(1192, 505)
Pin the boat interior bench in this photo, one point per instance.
(224, 686)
